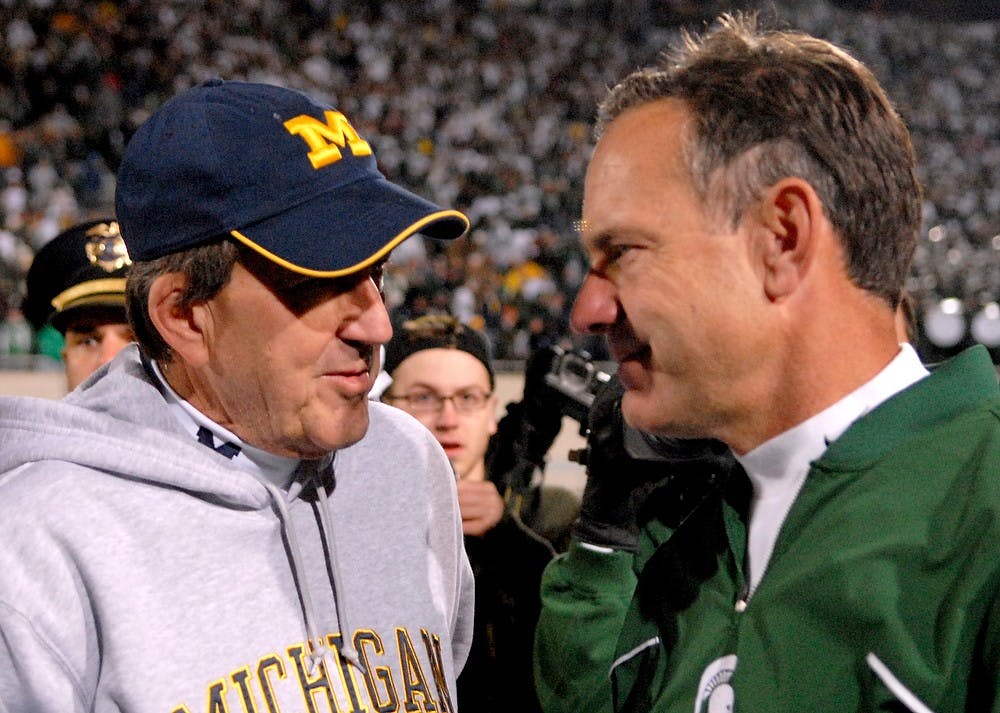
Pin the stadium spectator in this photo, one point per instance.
(442, 374)
(483, 105)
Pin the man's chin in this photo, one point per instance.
(346, 430)
(646, 412)
(635, 410)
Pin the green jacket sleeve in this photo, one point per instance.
(585, 595)
(991, 657)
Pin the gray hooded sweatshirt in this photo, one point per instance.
(142, 571)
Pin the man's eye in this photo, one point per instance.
(609, 257)
(79, 341)
(616, 252)
(306, 294)
(422, 399)
(470, 398)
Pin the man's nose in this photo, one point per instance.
(371, 324)
(447, 416)
(596, 306)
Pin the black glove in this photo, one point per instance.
(625, 468)
(617, 483)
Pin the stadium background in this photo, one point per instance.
(485, 106)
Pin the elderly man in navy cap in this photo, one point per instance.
(222, 520)
(76, 283)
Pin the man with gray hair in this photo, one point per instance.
(750, 213)
(221, 520)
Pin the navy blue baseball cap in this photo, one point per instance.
(285, 175)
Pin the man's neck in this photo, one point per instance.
(275, 468)
(475, 473)
(814, 368)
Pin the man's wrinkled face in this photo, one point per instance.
(672, 291)
(292, 357)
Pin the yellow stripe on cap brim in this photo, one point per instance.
(368, 261)
(111, 286)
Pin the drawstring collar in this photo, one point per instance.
(316, 476)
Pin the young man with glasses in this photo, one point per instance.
(442, 375)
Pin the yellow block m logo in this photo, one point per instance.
(326, 140)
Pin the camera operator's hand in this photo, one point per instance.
(542, 413)
(526, 432)
(616, 482)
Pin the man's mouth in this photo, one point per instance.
(350, 382)
(631, 352)
(633, 365)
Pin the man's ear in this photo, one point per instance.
(789, 216)
(184, 328)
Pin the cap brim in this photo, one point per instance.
(107, 290)
(345, 230)
(105, 305)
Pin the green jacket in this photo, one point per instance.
(883, 587)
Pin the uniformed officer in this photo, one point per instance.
(76, 284)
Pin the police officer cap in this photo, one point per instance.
(82, 267)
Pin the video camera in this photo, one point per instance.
(576, 379)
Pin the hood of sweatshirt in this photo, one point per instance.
(99, 424)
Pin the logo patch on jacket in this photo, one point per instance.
(715, 695)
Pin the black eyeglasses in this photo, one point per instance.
(427, 401)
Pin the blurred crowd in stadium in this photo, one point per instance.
(483, 105)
